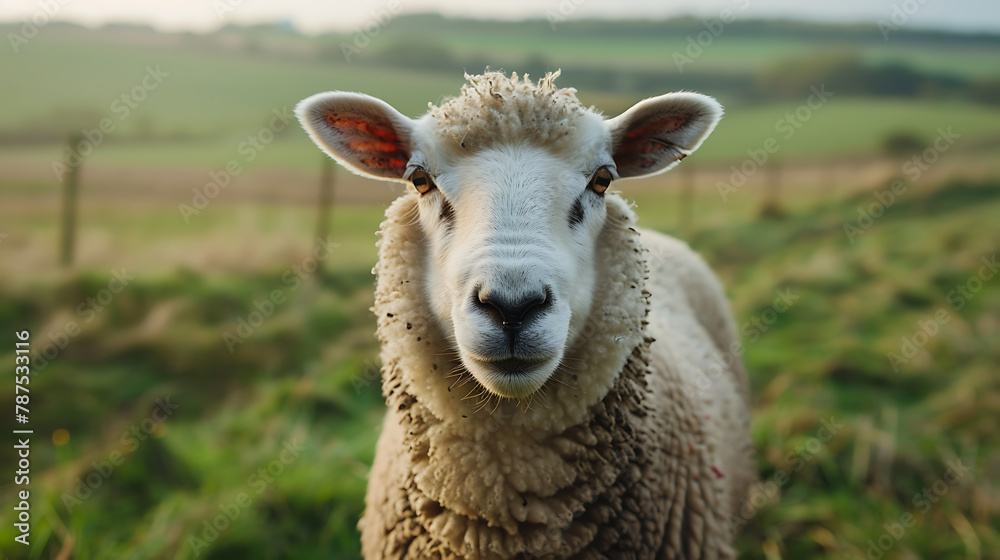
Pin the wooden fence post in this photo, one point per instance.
(71, 186)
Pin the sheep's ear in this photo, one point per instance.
(655, 134)
(363, 133)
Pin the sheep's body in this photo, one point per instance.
(559, 384)
(650, 470)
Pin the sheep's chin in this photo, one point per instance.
(513, 384)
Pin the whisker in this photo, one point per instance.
(486, 402)
(481, 405)
(542, 398)
(467, 379)
(561, 382)
(477, 395)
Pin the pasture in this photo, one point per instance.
(877, 378)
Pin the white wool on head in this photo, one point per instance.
(494, 108)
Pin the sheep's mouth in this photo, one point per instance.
(511, 377)
(515, 366)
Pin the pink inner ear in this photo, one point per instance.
(637, 147)
(668, 124)
(376, 145)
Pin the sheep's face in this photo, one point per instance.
(511, 273)
(511, 224)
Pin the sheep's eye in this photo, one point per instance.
(422, 181)
(600, 181)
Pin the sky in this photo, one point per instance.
(314, 16)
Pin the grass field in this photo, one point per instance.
(151, 420)
(306, 374)
(841, 128)
(213, 96)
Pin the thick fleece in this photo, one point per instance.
(637, 447)
(495, 109)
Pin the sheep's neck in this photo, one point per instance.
(499, 481)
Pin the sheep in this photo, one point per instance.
(559, 382)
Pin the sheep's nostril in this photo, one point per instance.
(512, 315)
(511, 325)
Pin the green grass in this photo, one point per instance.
(966, 60)
(651, 45)
(219, 92)
(206, 92)
(216, 97)
(308, 374)
(843, 127)
(247, 397)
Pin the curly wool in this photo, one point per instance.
(494, 108)
(614, 461)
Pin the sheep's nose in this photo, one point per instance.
(511, 314)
